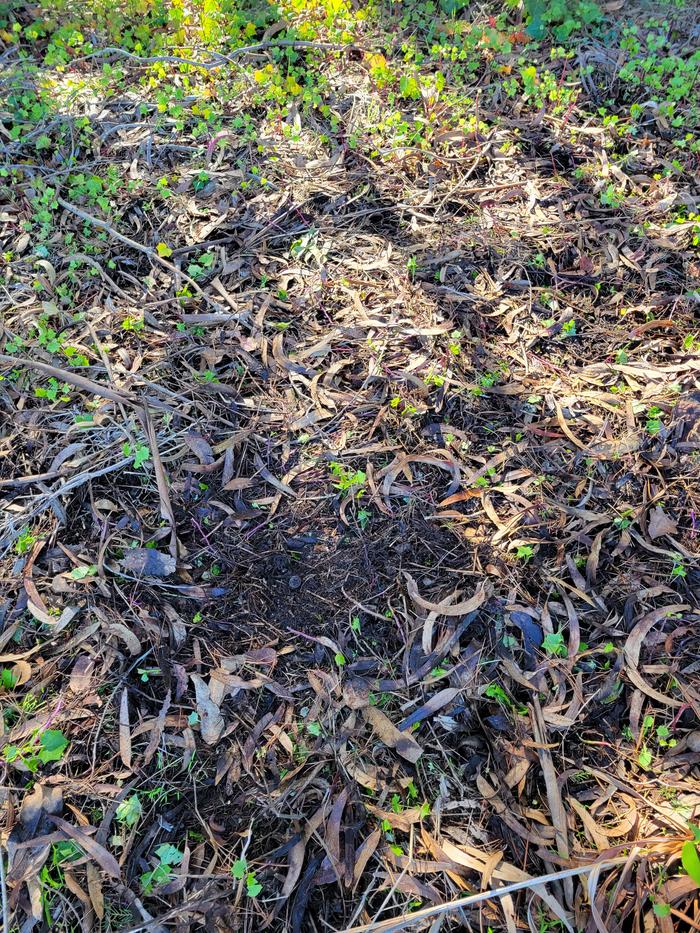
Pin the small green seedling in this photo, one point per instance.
(624, 520)
(403, 407)
(610, 197)
(654, 422)
(53, 391)
(168, 857)
(197, 269)
(554, 644)
(25, 542)
(41, 749)
(62, 854)
(645, 757)
(689, 854)
(133, 325)
(200, 181)
(129, 810)
(495, 692)
(142, 454)
(7, 679)
(525, 552)
(364, 516)
(678, 571)
(663, 737)
(455, 345)
(350, 482)
(239, 870)
(85, 570)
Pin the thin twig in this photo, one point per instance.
(78, 382)
(401, 923)
(28, 480)
(3, 892)
(47, 498)
(483, 152)
(95, 265)
(134, 244)
(121, 398)
(220, 59)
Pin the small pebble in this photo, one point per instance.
(294, 582)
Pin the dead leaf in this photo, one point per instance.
(403, 744)
(199, 447)
(364, 853)
(332, 834)
(211, 721)
(295, 865)
(57, 624)
(446, 608)
(157, 730)
(661, 524)
(402, 820)
(124, 729)
(356, 692)
(21, 672)
(133, 645)
(554, 799)
(104, 859)
(95, 890)
(81, 674)
(688, 412)
(635, 639)
(435, 703)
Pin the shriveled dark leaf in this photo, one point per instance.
(148, 562)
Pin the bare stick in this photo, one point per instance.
(220, 59)
(134, 244)
(3, 891)
(401, 923)
(121, 398)
(79, 382)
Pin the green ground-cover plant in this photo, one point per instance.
(43, 748)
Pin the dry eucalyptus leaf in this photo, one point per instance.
(211, 720)
(200, 447)
(688, 411)
(81, 674)
(403, 744)
(356, 693)
(660, 524)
